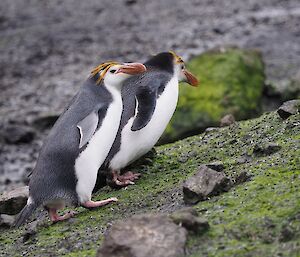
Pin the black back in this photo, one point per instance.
(54, 174)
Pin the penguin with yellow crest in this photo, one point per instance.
(67, 166)
(149, 101)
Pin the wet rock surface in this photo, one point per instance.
(12, 202)
(17, 134)
(144, 236)
(242, 177)
(289, 108)
(6, 220)
(190, 220)
(227, 120)
(218, 165)
(259, 217)
(205, 183)
(44, 121)
(30, 232)
(266, 149)
(48, 48)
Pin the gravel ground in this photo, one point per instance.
(47, 49)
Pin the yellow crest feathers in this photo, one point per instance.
(103, 68)
(177, 57)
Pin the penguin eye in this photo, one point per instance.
(112, 71)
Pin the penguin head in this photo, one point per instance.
(114, 73)
(172, 63)
(182, 73)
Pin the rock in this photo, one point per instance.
(293, 89)
(44, 121)
(130, 2)
(210, 129)
(245, 158)
(241, 178)
(144, 236)
(227, 120)
(188, 218)
(265, 149)
(6, 220)
(289, 108)
(31, 230)
(13, 202)
(205, 183)
(286, 234)
(218, 165)
(13, 134)
(232, 82)
(284, 89)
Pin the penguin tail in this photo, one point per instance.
(25, 213)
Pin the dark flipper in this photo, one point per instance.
(88, 126)
(146, 102)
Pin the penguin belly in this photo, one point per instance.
(92, 157)
(135, 144)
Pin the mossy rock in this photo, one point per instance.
(260, 217)
(231, 81)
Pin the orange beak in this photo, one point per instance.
(191, 79)
(132, 68)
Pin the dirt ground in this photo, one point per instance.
(47, 49)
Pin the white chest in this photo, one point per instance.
(91, 159)
(134, 144)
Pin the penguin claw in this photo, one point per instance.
(54, 217)
(124, 183)
(92, 204)
(119, 181)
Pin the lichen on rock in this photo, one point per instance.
(231, 82)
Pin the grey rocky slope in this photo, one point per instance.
(48, 47)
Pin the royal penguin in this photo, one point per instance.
(77, 145)
(149, 101)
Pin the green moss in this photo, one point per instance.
(249, 220)
(231, 81)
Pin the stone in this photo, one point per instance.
(205, 183)
(241, 178)
(44, 121)
(266, 149)
(289, 108)
(218, 165)
(286, 234)
(227, 120)
(210, 129)
(144, 236)
(12, 202)
(6, 221)
(31, 230)
(284, 89)
(188, 218)
(14, 134)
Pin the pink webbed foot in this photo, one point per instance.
(92, 204)
(129, 176)
(124, 180)
(54, 217)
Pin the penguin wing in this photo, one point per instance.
(87, 127)
(146, 102)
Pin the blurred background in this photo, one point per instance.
(47, 49)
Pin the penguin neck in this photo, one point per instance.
(115, 90)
